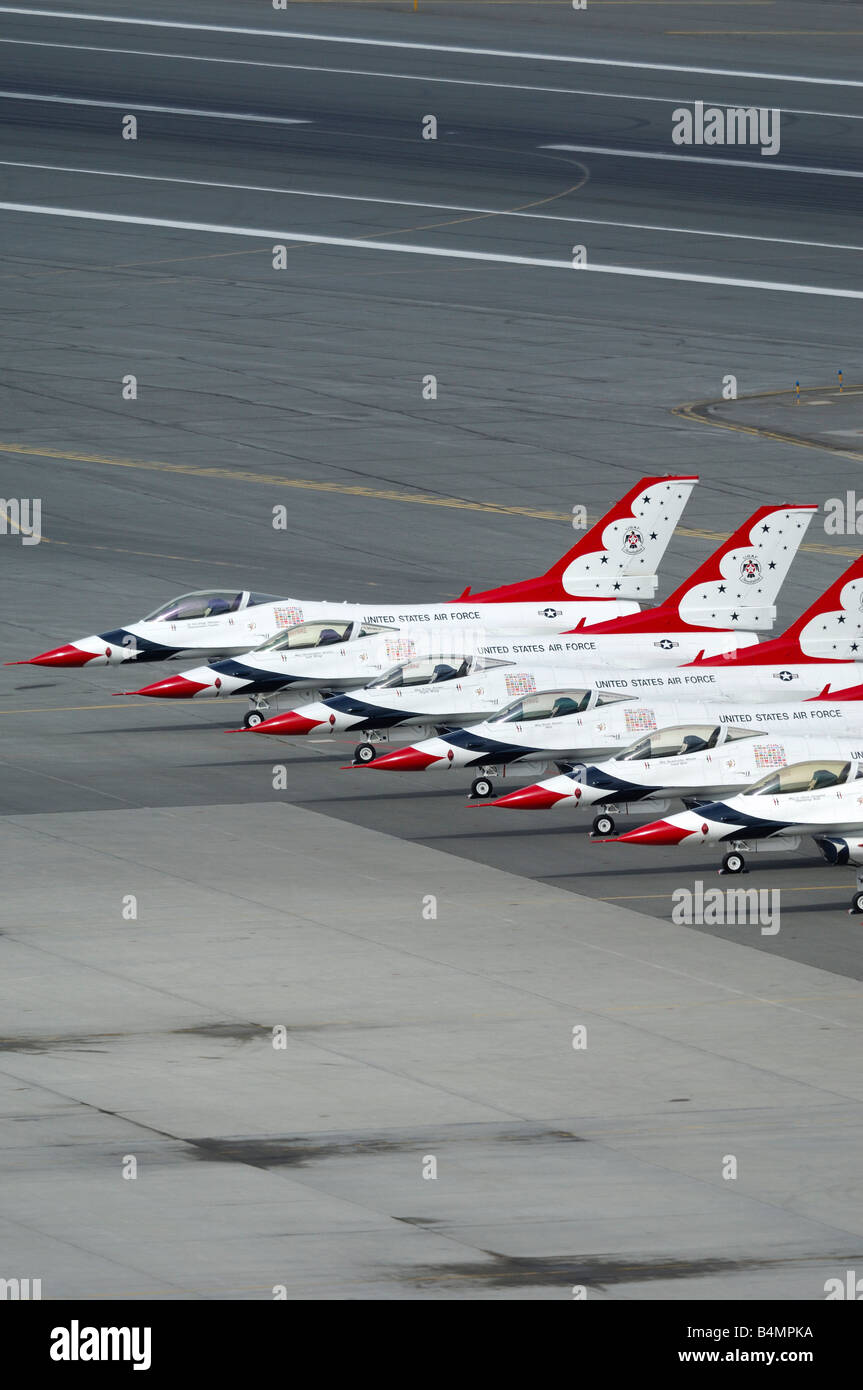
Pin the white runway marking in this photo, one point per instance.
(147, 106)
(410, 77)
(433, 207)
(404, 248)
(766, 163)
(275, 33)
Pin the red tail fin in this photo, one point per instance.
(831, 629)
(618, 557)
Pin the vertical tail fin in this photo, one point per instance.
(618, 557)
(739, 584)
(831, 629)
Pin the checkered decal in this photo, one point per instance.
(288, 616)
(524, 684)
(639, 721)
(770, 755)
(399, 649)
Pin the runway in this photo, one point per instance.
(306, 386)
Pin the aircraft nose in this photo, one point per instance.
(288, 723)
(659, 832)
(171, 688)
(403, 760)
(534, 798)
(69, 655)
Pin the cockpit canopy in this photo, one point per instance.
(425, 672)
(324, 632)
(318, 634)
(550, 704)
(431, 670)
(676, 741)
(206, 603)
(805, 777)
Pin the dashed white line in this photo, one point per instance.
(433, 207)
(349, 39)
(404, 248)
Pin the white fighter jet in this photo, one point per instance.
(602, 576)
(735, 588)
(821, 797)
(691, 762)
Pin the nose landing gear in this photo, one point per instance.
(734, 863)
(603, 824)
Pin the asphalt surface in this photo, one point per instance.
(303, 386)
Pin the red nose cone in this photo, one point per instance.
(530, 799)
(289, 723)
(60, 656)
(404, 760)
(172, 688)
(659, 832)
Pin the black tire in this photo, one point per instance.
(856, 907)
(364, 753)
(482, 788)
(253, 718)
(734, 863)
(603, 824)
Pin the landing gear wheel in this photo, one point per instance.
(603, 825)
(252, 719)
(481, 788)
(364, 753)
(733, 863)
(856, 905)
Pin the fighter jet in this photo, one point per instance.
(602, 576)
(735, 587)
(689, 763)
(821, 797)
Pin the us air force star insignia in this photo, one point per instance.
(785, 676)
(666, 644)
(551, 612)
